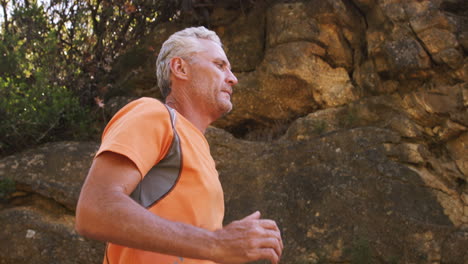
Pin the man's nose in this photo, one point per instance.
(231, 78)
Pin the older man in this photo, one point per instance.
(153, 191)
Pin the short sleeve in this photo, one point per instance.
(141, 131)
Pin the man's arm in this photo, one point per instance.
(106, 212)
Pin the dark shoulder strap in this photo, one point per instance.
(163, 177)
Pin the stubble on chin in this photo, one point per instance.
(227, 108)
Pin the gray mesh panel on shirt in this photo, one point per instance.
(162, 178)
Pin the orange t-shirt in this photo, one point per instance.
(142, 131)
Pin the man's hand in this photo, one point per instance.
(249, 239)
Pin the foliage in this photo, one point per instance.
(56, 58)
(35, 104)
(95, 33)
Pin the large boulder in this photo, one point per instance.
(38, 220)
(244, 40)
(40, 231)
(54, 170)
(328, 86)
(291, 81)
(334, 25)
(342, 195)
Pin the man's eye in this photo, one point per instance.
(220, 65)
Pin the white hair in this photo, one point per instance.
(180, 44)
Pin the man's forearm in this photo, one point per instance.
(120, 220)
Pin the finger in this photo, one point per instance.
(281, 242)
(271, 229)
(268, 224)
(272, 243)
(271, 233)
(268, 254)
(277, 235)
(253, 216)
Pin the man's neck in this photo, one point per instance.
(191, 113)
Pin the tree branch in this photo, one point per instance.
(4, 4)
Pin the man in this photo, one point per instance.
(153, 191)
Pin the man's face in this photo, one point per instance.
(212, 79)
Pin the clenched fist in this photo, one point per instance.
(248, 239)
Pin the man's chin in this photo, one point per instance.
(226, 108)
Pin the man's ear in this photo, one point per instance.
(179, 68)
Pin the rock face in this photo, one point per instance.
(55, 171)
(337, 195)
(39, 231)
(310, 48)
(38, 220)
(349, 129)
